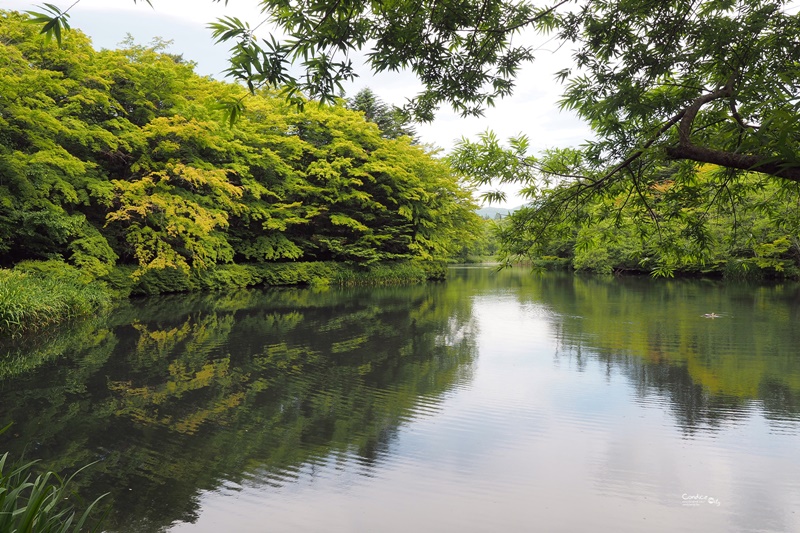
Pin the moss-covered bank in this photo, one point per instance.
(38, 294)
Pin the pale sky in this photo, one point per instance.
(532, 110)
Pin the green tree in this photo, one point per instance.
(391, 120)
(462, 51)
(666, 89)
(665, 228)
(53, 112)
(121, 156)
(712, 81)
(481, 245)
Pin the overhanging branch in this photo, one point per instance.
(687, 150)
(733, 160)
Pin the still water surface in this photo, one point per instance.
(492, 402)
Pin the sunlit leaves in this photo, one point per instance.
(132, 141)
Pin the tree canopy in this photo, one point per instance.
(121, 157)
(694, 108)
(667, 87)
(713, 81)
(391, 120)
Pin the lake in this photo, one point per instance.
(495, 401)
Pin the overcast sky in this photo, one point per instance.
(532, 110)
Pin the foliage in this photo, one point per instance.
(33, 297)
(713, 81)
(119, 157)
(31, 502)
(709, 82)
(482, 245)
(391, 120)
(677, 221)
(462, 52)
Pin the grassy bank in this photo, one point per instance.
(35, 295)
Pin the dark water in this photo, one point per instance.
(492, 402)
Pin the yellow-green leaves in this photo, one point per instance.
(125, 156)
(168, 224)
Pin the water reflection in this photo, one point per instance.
(711, 370)
(176, 395)
(491, 402)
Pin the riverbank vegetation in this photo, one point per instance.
(33, 501)
(38, 294)
(117, 166)
(693, 108)
(120, 161)
(749, 229)
(31, 300)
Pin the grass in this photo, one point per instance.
(38, 294)
(40, 503)
(30, 301)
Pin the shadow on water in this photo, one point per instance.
(180, 394)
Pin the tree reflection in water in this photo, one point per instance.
(179, 394)
(190, 393)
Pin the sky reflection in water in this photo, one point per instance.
(551, 435)
(494, 402)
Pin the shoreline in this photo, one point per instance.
(35, 295)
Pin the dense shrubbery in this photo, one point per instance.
(117, 166)
(121, 157)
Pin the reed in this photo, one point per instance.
(30, 302)
(31, 502)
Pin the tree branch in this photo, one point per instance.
(733, 160)
(686, 150)
(689, 114)
(638, 153)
